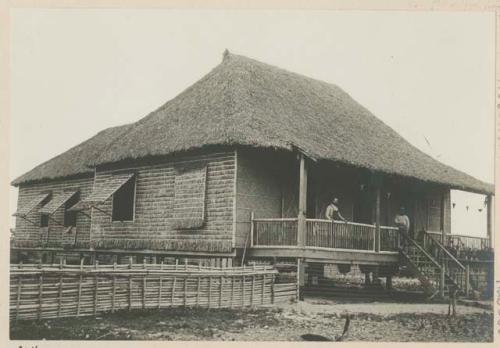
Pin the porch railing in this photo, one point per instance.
(469, 242)
(273, 232)
(390, 239)
(339, 235)
(462, 247)
(323, 234)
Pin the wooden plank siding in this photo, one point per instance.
(432, 210)
(29, 235)
(152, 225)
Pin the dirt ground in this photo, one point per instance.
(369, 322)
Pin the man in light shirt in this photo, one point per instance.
(332, 211)
(402, 221)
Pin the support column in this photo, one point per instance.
(300, 278)
(467, 280)
(301, 236)
(442, 282)
(489, 222)
(441, 219)
(377, 216)
(388, 282)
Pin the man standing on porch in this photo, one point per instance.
(402, 221)
(332, 211)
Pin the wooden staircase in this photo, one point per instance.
(438, 270)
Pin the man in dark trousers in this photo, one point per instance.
(402, 221)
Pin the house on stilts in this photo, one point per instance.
(239, 167)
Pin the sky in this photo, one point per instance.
(428, 75)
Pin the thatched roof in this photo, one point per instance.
(246, 102)
(73, 162)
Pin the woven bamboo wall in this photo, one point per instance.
(30, 234)
(52, 291)
(153, 226)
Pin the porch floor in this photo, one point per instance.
(325, 255)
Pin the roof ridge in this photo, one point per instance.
(245, 102)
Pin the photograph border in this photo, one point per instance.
(373, 5)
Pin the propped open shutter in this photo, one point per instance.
(57, 202)
(103, 191)
(189, 197)
(32, 204)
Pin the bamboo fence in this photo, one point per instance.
(40, 291)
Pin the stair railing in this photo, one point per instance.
(454, 269)
(419, 248)
(427, 268)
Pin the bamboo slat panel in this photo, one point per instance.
(275, 232)
(55, 291)
(339, 235)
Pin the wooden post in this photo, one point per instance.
(263, 287)
(301, 228)
(441, 282)
(467, 281)
(443, 234)
(442, 216)
(252, 216)
(252, 294)
(96, 288)
(377, 216)
(299, 266)
(144, 285)
(367, 278)
(113, 290)
(198, 289)
(232, 292)
(272, 288)
(209, 291)
(243, 288)
(78, 305)
(489, 222)
(19, 289)
(40, 297)
(185, 290)
(130, 260)
(160, 285)
(441, 223)
(59, 297)
(220, 292)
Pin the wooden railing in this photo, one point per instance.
(463, 247)
(339, 235)
(323, 234)
(272, 232)
(389, 238)
(427, 269)
(468, 241)
(454, 269)
(462, 241)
